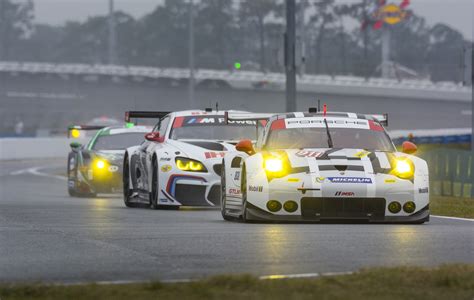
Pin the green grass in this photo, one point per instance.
(452, 207)
(445, 282)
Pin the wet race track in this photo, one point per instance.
(47, 236)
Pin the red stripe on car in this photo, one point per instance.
(178, 122)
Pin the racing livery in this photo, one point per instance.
(97, 166)
(180, 161)
(317, 166)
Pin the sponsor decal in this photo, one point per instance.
(213, 120)
(390, 181)
(362, 154)
(163, 200)
(319, 123)
(166, 168)
(214, 154)
(293, 180)
(362, 180)
(254, 188)
(234, 191)
(237, 175)
(303, 153)
(345, 194)
(423, 190)
(165, 159)
(113, 169)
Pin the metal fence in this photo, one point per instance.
(451, 172)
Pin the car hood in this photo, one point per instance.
(112, 156)
(200, 149)
(342, 161)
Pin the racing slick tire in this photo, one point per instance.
(127, 192)
(223, 195)
(243, 189)
(72, 191)
(153, 195)
(154, 187)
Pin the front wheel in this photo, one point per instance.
(243, 188)
(154, 186)
(223, 195)
(127, 192)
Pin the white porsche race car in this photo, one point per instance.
(316, 166)
(179, 163)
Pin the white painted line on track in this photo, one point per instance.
(265, 277)
(303, 275)
(36, 171)
(453, 218)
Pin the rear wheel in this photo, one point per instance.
(223, 195)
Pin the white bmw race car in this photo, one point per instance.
(316, 166)
(179, 163)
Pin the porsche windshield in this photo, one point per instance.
(118, 141)
(354, 138)
(212, 128)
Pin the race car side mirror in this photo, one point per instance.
(154, 137)
(75, 145)
(409, 147)
(245, 146)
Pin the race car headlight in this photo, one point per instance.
(273, 165)
(404, 168)
(100, 165)
(190, 165)
(276, 165)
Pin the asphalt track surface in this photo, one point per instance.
(46, 236)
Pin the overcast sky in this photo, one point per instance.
(456, 13)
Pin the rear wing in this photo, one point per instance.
(144, 115)
(382, 119)
(241, 116)
(74, 130)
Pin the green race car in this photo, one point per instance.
(96, 167)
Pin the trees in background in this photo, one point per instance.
(15, 24)
(248, 31)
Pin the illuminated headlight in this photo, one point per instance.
(276, 165)
(190, 165)
(404, 168)
(273, 165)
(75, 133)
(100, 165)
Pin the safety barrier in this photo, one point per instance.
(451, 172)
(248, 80)
(437, 136)
(34, 148)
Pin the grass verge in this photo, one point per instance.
(452, 207)
(445, 282)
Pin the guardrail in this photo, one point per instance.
(322, 84)
(451, 172)
(31, 148)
